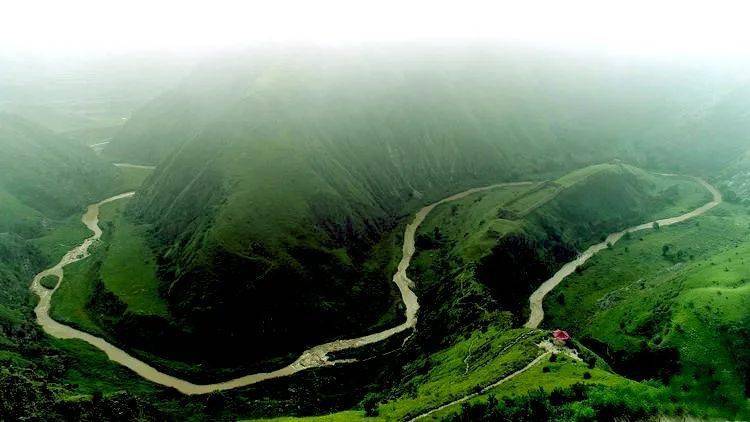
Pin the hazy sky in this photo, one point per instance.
(640, 27)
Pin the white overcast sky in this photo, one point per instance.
(631, 27)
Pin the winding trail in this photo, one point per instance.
(537, 298)
(312, 358)
(484, 389)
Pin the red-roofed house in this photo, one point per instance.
(560, 337)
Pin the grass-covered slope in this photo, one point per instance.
(670, 304)
(45, 183)
(46, 173)
(276, 178)
(44, 178)
(470, 281)
(488, 252)
(475, 364)
(279, 171)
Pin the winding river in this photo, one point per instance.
(536, 299)
(312, 358)
(316, 356)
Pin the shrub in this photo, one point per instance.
(370, 404)
(590, 361)
(48, 282)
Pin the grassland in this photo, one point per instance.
(563, 373)
(352, 415)
(478, 361)
(457, 236)
(682, 288)
(461, 369)
(474, 218)
(62, 234)
(476, 222)
(71, 300)
(475, 359)
(122, 262)
(494, 255)
(129, 267)
(131, 178)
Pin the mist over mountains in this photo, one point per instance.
(277, 171)
(273, 187)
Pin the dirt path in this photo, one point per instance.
(537, 298)
(485, 389)
(311, 358)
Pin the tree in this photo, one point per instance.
(656, 225)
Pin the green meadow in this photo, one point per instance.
(680, 292)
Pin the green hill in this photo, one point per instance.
(46, 172)
(46, 180)
(670, 305)
(277, 179)
(273, 222)
(465, 340)
(480, 258)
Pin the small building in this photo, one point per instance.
(560, 337)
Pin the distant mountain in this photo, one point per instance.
(78, 93)
(279, 172)
(44, 174)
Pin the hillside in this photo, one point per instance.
(277, 179)
(546, 108)
(465, 341)
(44, 179)
(272, 220)
(47, 172)
(480, 258)
(467, 360)
(669, 305)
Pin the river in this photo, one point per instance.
(312, 358)
(536, 299)
(316, 356)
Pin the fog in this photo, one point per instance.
(639, 27)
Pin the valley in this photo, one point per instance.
(462, 233)
(517, 199)
(314, 357)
